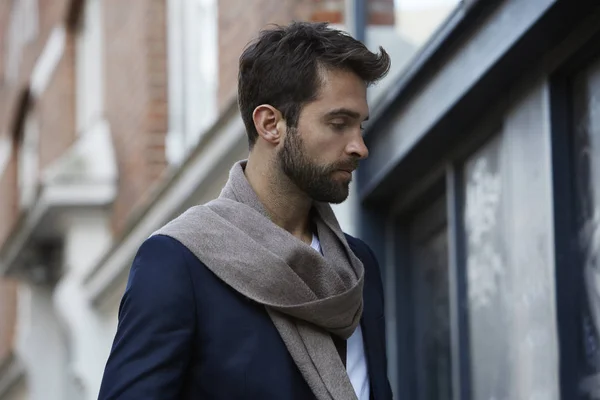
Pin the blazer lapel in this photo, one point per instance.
(372, 326)
(373, 337)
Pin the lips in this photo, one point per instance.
(348, 167)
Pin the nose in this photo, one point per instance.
(357, 148)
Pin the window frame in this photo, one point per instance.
(445, 176)
(28, 160)
(404, 380)
(89, 68)
(187, 86)
(569, 264)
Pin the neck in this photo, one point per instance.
(286, 205)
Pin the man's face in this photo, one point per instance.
(320, 154)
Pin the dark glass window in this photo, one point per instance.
(430, 287)
(586, 140)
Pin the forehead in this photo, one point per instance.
(340, 89)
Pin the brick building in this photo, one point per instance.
(114, 116)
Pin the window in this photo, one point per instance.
(488, 282)
(28, 161)
(586, 147)
(23, 28)
(428, 254)
(474, 310)
(513, 346)
(89, 68)
(193, 76)
(422, 364)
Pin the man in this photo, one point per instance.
(258, 294)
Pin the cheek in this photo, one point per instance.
(331, 149)
(321, 144)
(325, 139)
(323, 151)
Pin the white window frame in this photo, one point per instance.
(6, 146)
(28, 162)
(23, 28)
(193, 73)
(89, 68)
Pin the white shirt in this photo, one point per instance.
(356, 361)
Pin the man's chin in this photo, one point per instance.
(338, 201)
(335, 198)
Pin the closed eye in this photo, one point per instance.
(339, 127)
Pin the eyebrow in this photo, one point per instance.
(344, 112)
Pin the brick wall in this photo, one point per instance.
(8, 199)
(8, 298)
(53, 12)
(7, 177)
(8, 311)
(157, 112)
(11, 94)
(136, 96)
(56, 110)
(380, 12)
(331, 11)
(53, 110)
(4, 14)
(135, 93)
(135, 106)
(56, 107)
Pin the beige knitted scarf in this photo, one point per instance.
(308, 296)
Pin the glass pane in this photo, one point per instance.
(402, 27)
(429, 261)
(587, 178)
(486, 275)
(510, 268)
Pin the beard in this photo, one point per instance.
(317, 181)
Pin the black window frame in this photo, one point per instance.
(570, 283)
(444, 179)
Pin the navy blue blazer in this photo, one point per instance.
(185, 334)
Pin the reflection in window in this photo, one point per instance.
(586, 111)
(509, 280)
(486, 275)
(429, 266)
(402, 27)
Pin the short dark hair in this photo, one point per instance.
(281, 68)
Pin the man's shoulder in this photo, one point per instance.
(353, 241)
(162, 248)
(361, 249)
(161, 244)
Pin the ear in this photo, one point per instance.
(268, 122)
